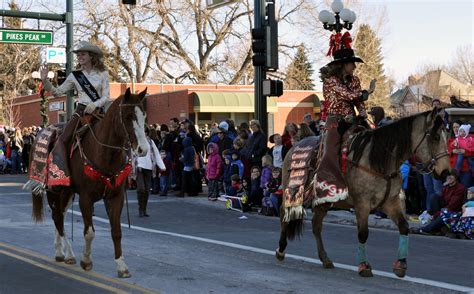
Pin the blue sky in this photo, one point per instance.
(425, 32)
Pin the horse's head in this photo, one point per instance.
(432, 148)
(132, 115)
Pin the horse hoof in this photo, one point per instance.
(124, 274)
(400, 268)
(328, 264)
(279, 255)
(59, 258)
(70, 260)
(87, 266)
(365, 270)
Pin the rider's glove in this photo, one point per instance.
(364, 96)
(90, 108)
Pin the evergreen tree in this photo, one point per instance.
(299, 72)
(368, 47)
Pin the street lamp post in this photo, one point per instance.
(332, 22)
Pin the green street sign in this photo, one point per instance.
(26, 37)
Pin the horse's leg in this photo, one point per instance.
(280, 252)
(393, 208)
(86, 204)
(362, 214)
(115, 210)
(66, 202)
(319, 212)
(57, 216)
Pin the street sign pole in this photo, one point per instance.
(259, 72)
(67, 18)
(69, 57)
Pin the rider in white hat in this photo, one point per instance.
(91, 81)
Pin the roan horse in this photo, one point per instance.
(373, 181)
(103, 152)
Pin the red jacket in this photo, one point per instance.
(453, 197)
(453, 157)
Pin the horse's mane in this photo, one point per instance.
(392, 140)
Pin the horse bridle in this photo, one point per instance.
(123, 126)
(428, 167)
(121, 120)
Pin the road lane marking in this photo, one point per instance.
(78, 270)
(292, 256)
(63, 273)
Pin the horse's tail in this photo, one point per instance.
(37, 191)
(294, 229)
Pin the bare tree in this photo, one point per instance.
(17, 62)
(462, 64)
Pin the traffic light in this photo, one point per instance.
(265, 41)
(272, 87)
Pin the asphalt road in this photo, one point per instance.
(191, 245)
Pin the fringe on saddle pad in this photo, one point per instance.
(36, 188)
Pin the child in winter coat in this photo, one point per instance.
(266, 171)
(227, 171)
(237, 167)
(256, 191)
(275, 190)
(214, 170)
(464, 141)
(164, 179)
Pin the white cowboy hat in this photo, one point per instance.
(86, 46)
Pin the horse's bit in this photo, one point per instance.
(428, 168)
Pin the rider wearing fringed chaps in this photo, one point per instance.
(342, 90)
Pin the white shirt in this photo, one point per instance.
(146, 162)
(277, 156)
(100, 81)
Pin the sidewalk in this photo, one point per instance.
(342, 217)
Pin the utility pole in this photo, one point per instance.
(259, 70)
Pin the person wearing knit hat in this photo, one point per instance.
(91, 82)
(224, 126)
(224, 142)
(464, 146)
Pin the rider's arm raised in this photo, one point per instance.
(61, 90)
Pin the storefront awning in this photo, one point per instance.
(228, 102)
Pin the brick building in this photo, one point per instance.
(200, 103)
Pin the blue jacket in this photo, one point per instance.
(188, 152)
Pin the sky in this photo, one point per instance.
(425, 32)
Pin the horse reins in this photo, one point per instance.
(428, 168)
(123, 127)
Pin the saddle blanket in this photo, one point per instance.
(298, 193)
(38, 171)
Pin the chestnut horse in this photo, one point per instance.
(373, 180)
(99, 167)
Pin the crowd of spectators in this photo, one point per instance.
(15, 145)
(230, 159)
(236, 160)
